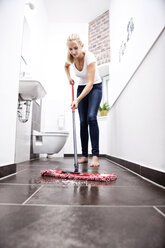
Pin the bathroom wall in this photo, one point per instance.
(99, 44)
(35, 56)
(56, 104)
(132, 33)
(136, 121)
(11, 28)
(11, 25)
(37, 21)
(98, 38)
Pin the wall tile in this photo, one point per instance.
(99, 41)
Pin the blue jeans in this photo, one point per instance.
(88, 108)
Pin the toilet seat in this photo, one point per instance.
(57, 133)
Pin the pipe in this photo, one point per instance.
(27, 113)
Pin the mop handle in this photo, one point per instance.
(73, 108)
(74, 134)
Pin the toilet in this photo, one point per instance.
(49, 142)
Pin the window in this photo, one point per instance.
(105, 83)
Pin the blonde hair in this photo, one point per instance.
(73, 37)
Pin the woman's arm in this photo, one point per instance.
(67, 70)
(89, 86)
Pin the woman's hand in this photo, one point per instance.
(74, 104)
(71, 81)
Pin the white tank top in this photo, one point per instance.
(88, 59)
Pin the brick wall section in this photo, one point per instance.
(98, 38)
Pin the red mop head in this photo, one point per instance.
(80, 176)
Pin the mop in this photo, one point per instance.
(76, 175)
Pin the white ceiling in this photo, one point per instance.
(75, 10)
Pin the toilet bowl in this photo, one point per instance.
(49, 142)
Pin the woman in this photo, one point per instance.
(89, 94)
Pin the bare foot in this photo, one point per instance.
(94, 162)
(83, 160)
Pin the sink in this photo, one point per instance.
(30, 89)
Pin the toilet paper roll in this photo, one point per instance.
(60, 123)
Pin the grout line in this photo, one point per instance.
(146, 179)
(32, 195)
(92, 206)
(12, 174)
(79, 206)
(159, 211)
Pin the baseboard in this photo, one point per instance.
(7, 170)
(69, 155)
(151, 174)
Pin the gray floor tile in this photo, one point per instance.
(27, 176)
(118, 214)
(73, 193)
(16, 193)
(81, 227)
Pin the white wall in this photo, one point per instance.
(148, 18)
(11, 24)
(136, 121)
(11, 29)
(136, 125)
(37, 21)
(57, 101)
(35, 57)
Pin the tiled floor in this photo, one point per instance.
(47, 212)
